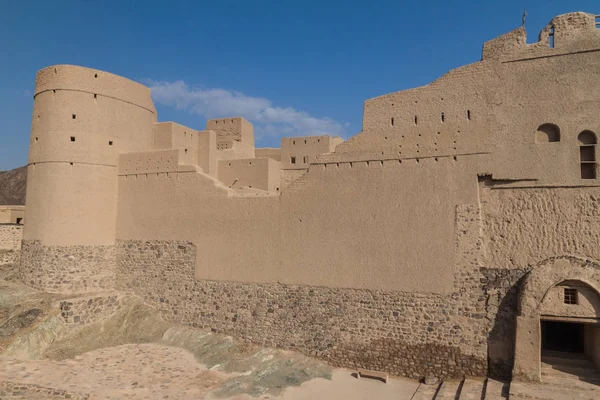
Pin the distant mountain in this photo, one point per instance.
(12, 186)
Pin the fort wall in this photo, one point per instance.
(275, 154)
(411, 334)
(259, 173)
(236, 128)
(300, 152)
(313, 224)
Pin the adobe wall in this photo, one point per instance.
(169, 135)
(588, 302)
(275, 154)
(236, 128)
(258, 173)
(318, 220)
(299, 152)
(495, 106)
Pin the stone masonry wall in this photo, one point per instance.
(10, 236)
(410, 334)
(87, 310)
(67, 269)
(10, 243)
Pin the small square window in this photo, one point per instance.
(293, 160)
(110, 142)
(74, 116)
(72, 138)
(571, 296)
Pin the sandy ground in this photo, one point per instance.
(151, 371)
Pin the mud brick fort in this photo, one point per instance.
(456, 234)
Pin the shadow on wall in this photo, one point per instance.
(503, 286)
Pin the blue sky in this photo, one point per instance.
(291, 67)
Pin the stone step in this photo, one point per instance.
(496, 390)
(448, 390)
(558, 381)
(425, 392)
(536, 391)
(472, 389)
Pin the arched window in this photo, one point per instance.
(587, 154)
(547, 133)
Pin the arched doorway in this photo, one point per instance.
(558, 318)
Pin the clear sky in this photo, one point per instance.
(290, 67)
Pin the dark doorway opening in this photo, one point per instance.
(563, 336)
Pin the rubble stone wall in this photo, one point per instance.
(10, 243)
(87, 310)
(67, 269)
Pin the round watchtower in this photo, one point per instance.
(82, 119)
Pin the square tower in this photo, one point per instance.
(236, 128)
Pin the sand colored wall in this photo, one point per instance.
(363, 244)
(305, 150)
(588, 306)
(169, 135)
(82, 119)
(12, 214)
(495, 106)
(234, 150)
(275, 154)
(258, 173)
(207, 154)
(236, 128)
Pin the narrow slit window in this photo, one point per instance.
(305, 160)
(443, 117)
(415, 120)
(551, 38)
(469, 115)
(571, 296)
(392, 121)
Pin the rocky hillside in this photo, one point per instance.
(12, 186)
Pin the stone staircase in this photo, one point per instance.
(468, 389)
